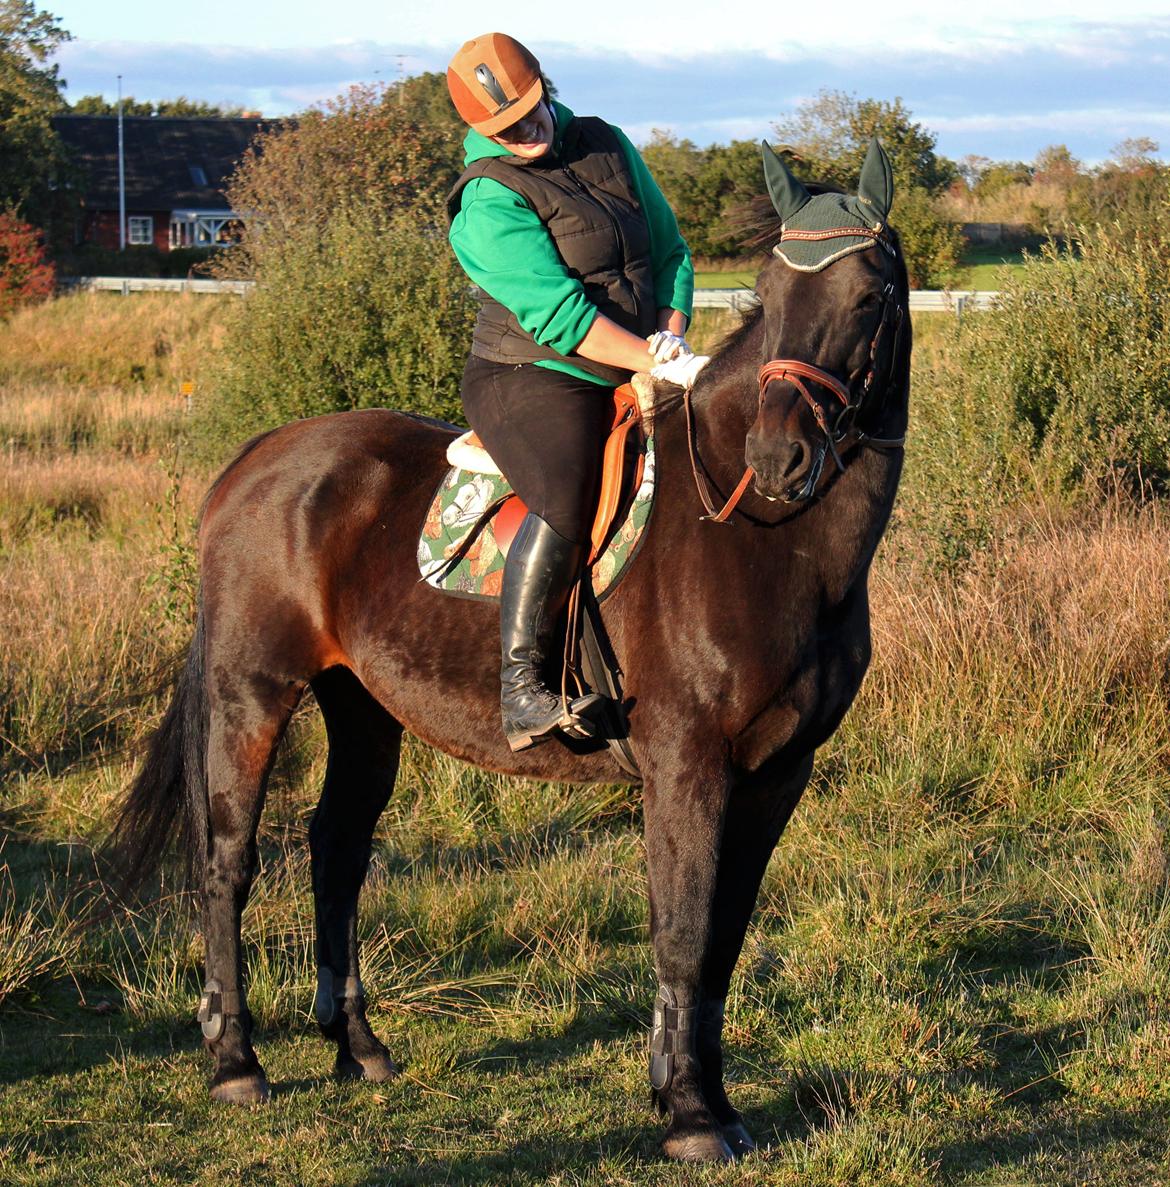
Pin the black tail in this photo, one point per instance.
(169, 796)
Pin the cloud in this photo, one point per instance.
(1001, 91)
(1087, 120)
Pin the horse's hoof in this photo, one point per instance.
(701, 1146)
(244, 1090)
(738, 1139)
(377, 1068)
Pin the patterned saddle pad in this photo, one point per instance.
(459, 504)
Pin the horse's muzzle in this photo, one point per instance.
(789, 474)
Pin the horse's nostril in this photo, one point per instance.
(795, 460)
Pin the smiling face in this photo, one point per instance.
(531, 137)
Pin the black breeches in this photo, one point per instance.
(546, 431)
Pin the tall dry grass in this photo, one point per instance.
(100, 340)
(50, 418)
(96, 506)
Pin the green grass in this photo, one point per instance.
(731, 279)
(960, 964)
(984, 267)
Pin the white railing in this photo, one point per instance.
(156, 284)
(921, 300)
(957, 302)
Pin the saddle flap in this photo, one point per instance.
(474, 514)
(618, 478)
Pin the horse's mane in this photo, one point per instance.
(758, 223)
(747, 322)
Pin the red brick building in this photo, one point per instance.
(176, 170)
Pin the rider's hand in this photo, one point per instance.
(665, 346)
(682, 370)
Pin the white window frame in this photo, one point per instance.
(140, 230)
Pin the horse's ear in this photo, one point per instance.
(877, 180)
(788, 195)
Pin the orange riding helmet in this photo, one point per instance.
(494, 81)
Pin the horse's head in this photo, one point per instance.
(835, 349)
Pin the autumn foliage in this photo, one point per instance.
(26, 275)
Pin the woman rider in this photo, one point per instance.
(583, 279)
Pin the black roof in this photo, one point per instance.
(169, 161)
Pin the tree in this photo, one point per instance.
(1056, 164)
(360, 301)
(30, 94)
(999, 175)
(25, 275)
(831, 132)
(1137, 154)
(678, 167)
(365, 146)
(424, 98)
(182, 106)
(1131, 188)
(705, 187)
(828, 137)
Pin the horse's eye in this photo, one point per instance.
(869, 301)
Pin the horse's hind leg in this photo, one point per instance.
(364, 742)
(247, 718)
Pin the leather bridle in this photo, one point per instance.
(840, 433)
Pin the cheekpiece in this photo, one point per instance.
(827, 227)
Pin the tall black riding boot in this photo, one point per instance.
(538, 575)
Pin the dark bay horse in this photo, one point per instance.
(742, 643)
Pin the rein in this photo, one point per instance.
(796, 372)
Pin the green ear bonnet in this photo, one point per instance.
(819, 229)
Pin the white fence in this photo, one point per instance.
(921, 301)
(156, 284)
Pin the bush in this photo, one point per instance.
(373, 312)
(1081, 351)
(363, 148)
(359, 300)
(1061, 390)
(26, 275)
(931, 242)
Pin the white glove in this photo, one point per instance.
(665, 346)
(681, 371)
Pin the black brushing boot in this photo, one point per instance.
(540, 571)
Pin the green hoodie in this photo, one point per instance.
(506, 250)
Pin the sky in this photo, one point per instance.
(998, 78)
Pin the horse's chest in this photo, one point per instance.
(807, 703)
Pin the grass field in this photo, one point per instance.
(959, 969)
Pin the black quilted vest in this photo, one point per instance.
(585, 196)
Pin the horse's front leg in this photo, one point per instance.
(684, 799)
(758, 808)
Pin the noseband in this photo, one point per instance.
(843, 426)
